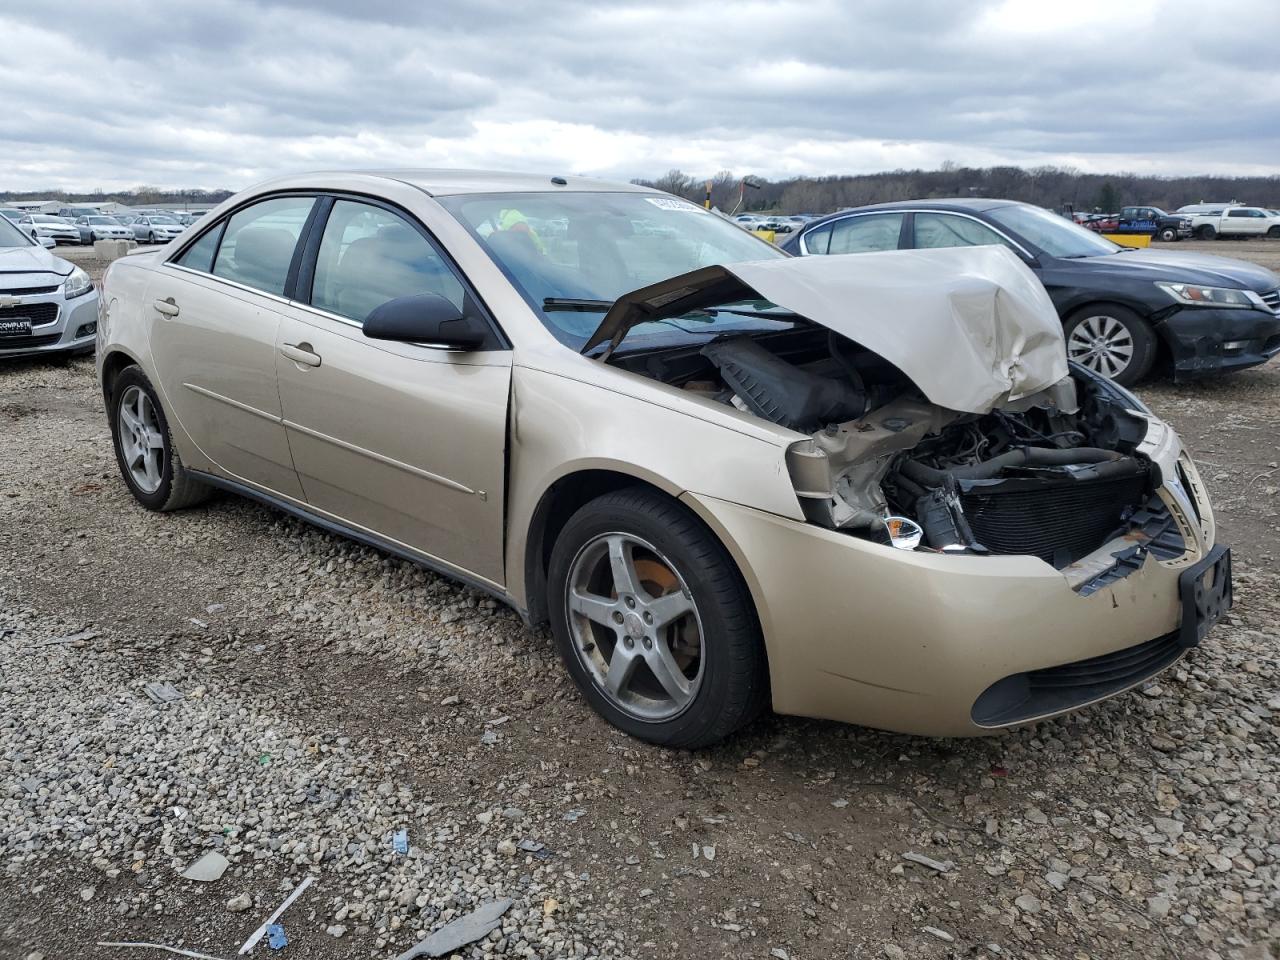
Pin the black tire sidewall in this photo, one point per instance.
(1168, 235)
(1144, 338)
(710, 575)
(134, 377)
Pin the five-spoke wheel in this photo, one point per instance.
(635, 628)
(654, 621)
(141, 441)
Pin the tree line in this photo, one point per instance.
(1052, 187)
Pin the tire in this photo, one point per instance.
(174, 487)
(727, 679)
(151, 237)
(1206, 233)
(1091, 327)
(1168, 234)
(1274, 233)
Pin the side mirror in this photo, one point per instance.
(425, 318)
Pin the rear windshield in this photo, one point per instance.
(598, 246)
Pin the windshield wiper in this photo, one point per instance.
(766, 314)
(575, 303)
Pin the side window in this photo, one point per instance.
(199, 256)
(1237, 213)
(257, 244)
(817, 241)
(369, 255)
(944, 230)
(865, 234)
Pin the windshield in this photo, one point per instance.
(39, 218)
(109, 221)
(168, 220)
(11, 236)
(590, 248)
(1054, 235)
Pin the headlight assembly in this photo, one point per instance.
(1195, 295)
(77, 284)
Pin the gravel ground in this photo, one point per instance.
(332, 696)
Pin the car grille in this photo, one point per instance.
(27, 291)
(1059, 520)
(26, 343)
(1039, 693)
(37, 313)
(1272, 299)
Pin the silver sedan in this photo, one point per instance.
(102, 228)
(47, 305)
(155, 229)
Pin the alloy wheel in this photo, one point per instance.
(635, 626)
(1103, 344)
(141, 440)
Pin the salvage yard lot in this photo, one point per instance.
(334, 695)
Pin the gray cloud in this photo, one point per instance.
(224, 92)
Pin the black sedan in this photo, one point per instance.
(1123, 309)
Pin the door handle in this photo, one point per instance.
(300, 353)
(167, 307)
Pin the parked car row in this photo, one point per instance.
(74, 225)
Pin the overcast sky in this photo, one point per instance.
(222, 93)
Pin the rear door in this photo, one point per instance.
(214, 340)
(858, 233)
(406, 441)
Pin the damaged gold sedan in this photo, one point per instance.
(863, 488)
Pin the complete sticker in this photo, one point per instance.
(670, 203)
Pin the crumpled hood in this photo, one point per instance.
(17, 264)
(971, 326)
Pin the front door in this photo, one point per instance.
(214, 342)
(403, 440)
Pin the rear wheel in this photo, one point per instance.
(653, 621)
(1113, 341)
(1206, 232)
(148, 460)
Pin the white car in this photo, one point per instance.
(55, 228)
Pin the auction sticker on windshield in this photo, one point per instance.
(670, 203)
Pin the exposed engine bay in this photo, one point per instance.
(1055, 474)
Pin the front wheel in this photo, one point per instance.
(654, 622)
(1111, 340)
(1168, 234)
(1274, 233)
(148, 460)
(151, 238)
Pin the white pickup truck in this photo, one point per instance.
(1227, 221)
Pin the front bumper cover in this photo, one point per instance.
(74, 329)
(1205, 341)
(910, 641)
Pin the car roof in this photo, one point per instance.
(441, 183)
